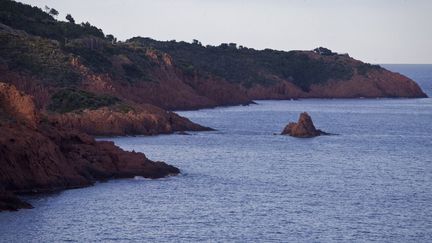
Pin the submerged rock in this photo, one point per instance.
(304, 128)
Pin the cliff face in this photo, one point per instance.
(145, 119)
(12, 101)
(37, 157)
(270, 74)
(46, 159)
(170, 87)
(175, 88)
(376, 84)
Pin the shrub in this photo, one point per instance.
(250, 67)
(40, 57)
(68, 100)
(364, 68)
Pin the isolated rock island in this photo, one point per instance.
(303, 128)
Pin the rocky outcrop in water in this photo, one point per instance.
(303, 128)
(38, 157)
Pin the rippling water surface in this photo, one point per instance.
(241, 183)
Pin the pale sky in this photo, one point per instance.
(375, 31)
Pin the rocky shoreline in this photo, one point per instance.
(64, 81)
(143, 120)
(39, 157)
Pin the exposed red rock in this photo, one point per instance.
(376, 84)
(304, 128)
(15, 102)
(144, 119)
(37, 157)
(171, 88)
(28, 84)
(48, 159)
(192, 92)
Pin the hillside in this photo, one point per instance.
(61, 81)
(44, 56)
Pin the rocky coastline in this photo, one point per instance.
(64, 82)
(143, 120)
(39, 157)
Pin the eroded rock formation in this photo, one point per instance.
(303, 128)
(13, 101)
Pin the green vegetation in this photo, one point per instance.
(48, 50)
(68, 100)
(248, 67)
(324, 51)
(122, 107)
(37, 22)
(70, 19)
(364, 68)
(37, 56)
(51, 11)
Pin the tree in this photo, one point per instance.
(233, 45)
(53, 12)
(223, 46)
(324, 51)
(70, 19)
(111, 38)
(196, 42)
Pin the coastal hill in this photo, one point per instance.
(63, 81)
(48, 58)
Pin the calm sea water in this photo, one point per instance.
(372, 182)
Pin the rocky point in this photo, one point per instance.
(36, 156)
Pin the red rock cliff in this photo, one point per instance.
(144, 119)
(37, 157)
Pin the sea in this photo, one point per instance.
(370, 182)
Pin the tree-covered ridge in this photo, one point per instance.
(248, 66)
(48, 51)
(39, 57)
(33, 41)
(37, 22)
